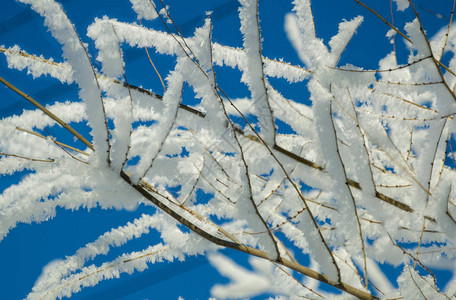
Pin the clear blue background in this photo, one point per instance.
(29, 247)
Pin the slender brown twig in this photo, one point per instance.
(55, 141)
(65, 150)
(448, 31)
(47, 112)
(383, 19)
(50, 160)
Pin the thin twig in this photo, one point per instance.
(49, 160)
(417, 286)
(156, 71)
(57, 142)
(386, 22)
(419, 243)
(413, 258)
(448, 31)
(405, 100)
(299, 282)
(66, 151)
(47, 112)
(381, 70)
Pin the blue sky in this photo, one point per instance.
(28, 248)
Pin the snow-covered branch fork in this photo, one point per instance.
(148, 191)
(358, 176)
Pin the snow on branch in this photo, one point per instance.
(319, 189)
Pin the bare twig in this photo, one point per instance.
(448, 31)
(419, 243)
(47, 112)
(383, 19)
(55, 141)
(66, 151)
(50, 160)
(156, 71)
(417, 286)
(299, 282)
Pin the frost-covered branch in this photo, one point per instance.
(358, 175)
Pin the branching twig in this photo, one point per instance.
(66, 151)
(55, 141)
(47, 112)
(292, 265)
